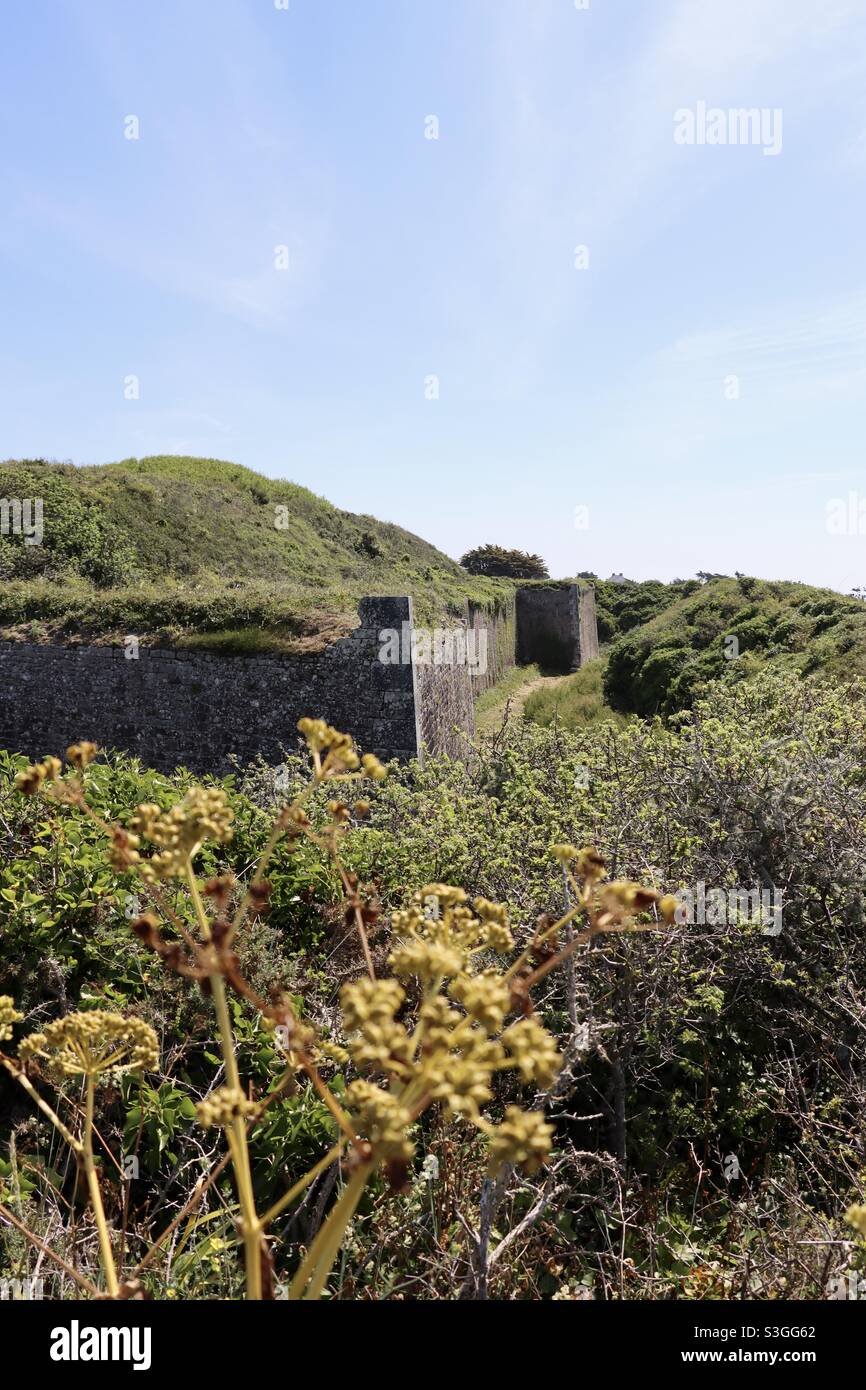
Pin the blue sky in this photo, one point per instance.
(607, 388)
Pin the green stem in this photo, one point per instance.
(252, 1230)
(18, 1074)
(288, 1197)
(319, 1260)
(542, 936)
(95, 1194)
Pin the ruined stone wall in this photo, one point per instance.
(588, 626)
(197, 709)
(447, 691)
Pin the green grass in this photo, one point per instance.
(670, 640)
(575, 702)
(490, 705)
(172, 546)
(733, 628)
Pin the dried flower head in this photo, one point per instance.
(381, 1120)
(621, 898)
(203, 814)
(328, 1051)
(373, 768)
(590, 866)
(524, 1138)
(124, 853)
(367, 1000)
(462, 1079)
(486, 998)
(443, 935)
(534, 1052)
(8, 1015)
(92, 1043)
(80, 755)
(30, 781)
(425, 961)
(338, 750)
(221, 1107)
(376, 1041)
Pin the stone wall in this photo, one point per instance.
(588, 626)
(447, 691)
(196, 709)
(556, 626)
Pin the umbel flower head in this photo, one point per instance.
(444, 936)
(614, 904)
(455, 1049)
(81, 754)
(381, 1119)
(30, 781)
(203, 814)
(89, 1044)
(334, 753)
(588, 863)
(524, 1138)
(534, 1052)
(376, 1041)
(222, 1106)
(8, 1015)
(486, 998)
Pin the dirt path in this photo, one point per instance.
(520, 696)
(492, 717)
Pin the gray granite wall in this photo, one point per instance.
(195, 708)
(399, 690)
(454, 667)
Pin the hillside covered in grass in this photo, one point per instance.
(734, 627)
(664, 642)
(180, 547)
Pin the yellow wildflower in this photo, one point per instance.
(87, 1044)
(524, 1138)
(8, 1015)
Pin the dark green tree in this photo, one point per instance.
(510, 564)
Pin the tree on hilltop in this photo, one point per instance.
(495, 560)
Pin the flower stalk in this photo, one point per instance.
(475, 1020)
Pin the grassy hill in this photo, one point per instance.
(199, 550)
(693, 633)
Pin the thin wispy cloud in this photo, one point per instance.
(411, 259)
(224, 164)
